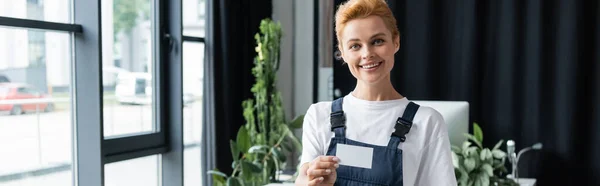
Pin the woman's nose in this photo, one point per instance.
(367, 53)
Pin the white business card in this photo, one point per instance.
(355, 156)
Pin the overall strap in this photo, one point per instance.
(403, 125)
(338, 118)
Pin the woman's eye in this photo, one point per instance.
(378, 41)
(354, 46)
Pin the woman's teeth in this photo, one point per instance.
(371, 65)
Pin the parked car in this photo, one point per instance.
(136, 88)
(4, 79)
(16, 93)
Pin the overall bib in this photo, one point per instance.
(386, 168)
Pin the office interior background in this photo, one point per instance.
(149, 92)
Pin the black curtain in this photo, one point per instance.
(529, 69)
(230, 38)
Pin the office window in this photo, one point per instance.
(42, 10)
(194, 18)
(88, 91)
(193, 67)
(35, 107)
(128, 101)
(140, 171)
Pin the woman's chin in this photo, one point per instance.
(371, 80)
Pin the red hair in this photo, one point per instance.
(356, 9)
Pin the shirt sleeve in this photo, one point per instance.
(311, 145)
(436, 164)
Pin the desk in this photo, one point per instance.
(522, 182)
(526, 181)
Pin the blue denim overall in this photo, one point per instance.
(386, 166)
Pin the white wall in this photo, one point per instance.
(282, 12)
(295, 76)
(303, 55)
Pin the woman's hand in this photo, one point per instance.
(320, 172)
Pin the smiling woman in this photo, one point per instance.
(414, 148)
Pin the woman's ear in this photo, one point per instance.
(397, 42)
(339, 55)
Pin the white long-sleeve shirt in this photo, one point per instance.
(426, 153)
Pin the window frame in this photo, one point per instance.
(91, 150)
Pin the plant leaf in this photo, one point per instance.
(234, 150)
(277, 165)
(243, 140)
(477, 133)
(251, 166)
(246, 170)
(257, 164)
(469, 164)
(472, 138)
(487, 168)
(497, 163)
(470, 151)
(219, 182)
(218, 177)
(475, 156)
(498, 145)
(499, 154)
(280, 156)
(463, 183)
(297, 122)
(484, 179)
(476, 181)
(455, 160)
(258, 149)
(291, 136)
(288, 147)
(464, 176)
(456, 149)
(482, 155)
(465, 145)
(233, 182)
(489, 157)
(217, 173)
(486, 155)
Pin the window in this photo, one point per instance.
(140, 171)
(194, 23)
(111, 104)
(194, 18)
(193, 58)
(35, 127)
(37, 10)
(128, 101)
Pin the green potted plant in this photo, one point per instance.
(478, 166)
(262, 143)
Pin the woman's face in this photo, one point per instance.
(368, 47)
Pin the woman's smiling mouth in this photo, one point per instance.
(371, 66)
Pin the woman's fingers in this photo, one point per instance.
(320, 168)
(315, 181)
(319, 172)
(324, 165)
(328, 159)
